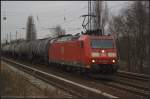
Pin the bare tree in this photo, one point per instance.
(137, 18)
(131, 29)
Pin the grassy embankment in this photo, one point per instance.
(14, 84)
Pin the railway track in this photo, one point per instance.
(125, 83)
(130, 87)
(69, 86)
(133, 82)
(134, 79)
(142, 77)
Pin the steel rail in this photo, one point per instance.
(74, 88)
(130, 85)
(128, 88)
(137, 76)
(128, 82)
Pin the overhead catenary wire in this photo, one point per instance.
(57, 16)
(110, 11)
(70, 12)
(65, 17)
(84, 8)
(77, 11)
(72, 20)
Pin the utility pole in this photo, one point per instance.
(98, 12)
(149, 51)
(88, 12)
(10, 37)
(100, 15)
(7, 38)
(16, 34)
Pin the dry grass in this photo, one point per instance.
(13, 84)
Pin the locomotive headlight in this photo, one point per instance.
(113, 61)
(103, 51)
(112, 54)
(95, 54)
(93, 61)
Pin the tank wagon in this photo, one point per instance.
(90, 53)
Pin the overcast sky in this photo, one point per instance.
(49, 13)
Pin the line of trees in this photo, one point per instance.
(131, 29)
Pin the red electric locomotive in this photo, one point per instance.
(92, 53)
(89, 52)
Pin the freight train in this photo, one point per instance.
(87, 53)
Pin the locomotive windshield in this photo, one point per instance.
(97, 43)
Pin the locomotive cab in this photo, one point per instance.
(103, 54)
(100, 53)
(103, 50)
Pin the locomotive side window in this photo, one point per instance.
(97, 43)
